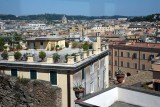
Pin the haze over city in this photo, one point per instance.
(81, 7)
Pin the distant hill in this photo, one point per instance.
(150, 18)
(57, 17)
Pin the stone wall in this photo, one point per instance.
(20, 92)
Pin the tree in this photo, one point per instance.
(4, 55)
(56, 57)
(85, 46)
(17, 55)
(42, 55)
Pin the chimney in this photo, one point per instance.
(70, 45)
(95, 47)
(78, 57)
(70, 60)
(30, 58)
(50, 59)
(90, 52)
(85, 54)
(11, 57)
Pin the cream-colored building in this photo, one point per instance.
(91, 71)
(102, 29)
(47, 42)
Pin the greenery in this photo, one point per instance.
(17, 55)
(76, 45)
(66, 44)
(42, 55)
(86, 46)
(4, 55)
(1, 44)
(150, 18)
(56, 57)
(66, 57)
(18, 46)
(50, 17)
(78, 87)
(119, 71)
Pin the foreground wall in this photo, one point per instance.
(135, 97)
(26, 93)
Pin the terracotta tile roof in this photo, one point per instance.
(137, 44)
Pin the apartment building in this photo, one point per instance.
(131, 57)
(87, 68)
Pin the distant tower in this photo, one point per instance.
(64, 19)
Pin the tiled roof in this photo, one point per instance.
(142, 77)
(137, 44)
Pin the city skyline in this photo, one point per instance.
(80, 7)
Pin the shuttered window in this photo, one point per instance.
(53, 77)
(14, 72)
(33, 74)
(83, 74)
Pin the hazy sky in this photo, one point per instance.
(80, 7)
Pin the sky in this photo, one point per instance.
(81, 7)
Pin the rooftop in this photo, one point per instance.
(136, 44)
(54, 37)
(123, 96)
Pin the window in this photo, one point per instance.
(121, 63)
(115, 63)
(83, 74)
(128, 55)
(92, 68)
(92, 87)
(14, 72)
(41, 43)
(33, 74)
(121, 54)
(53, 77)
(157, 86)
(99, 81)
(143, 56)
(110, 62)
(134, 56)
(128, 65)
(115, 53)
(143, 67)
(135, 65)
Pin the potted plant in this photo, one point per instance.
(4, 55)
(57, 47)
(42, 55)
(17, 55)
(18, 47)
(120, 75)
(56, 57)
(79, 90)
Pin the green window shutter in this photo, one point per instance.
(53, 77)
(82, 73)
(33, 74)
(14, 72)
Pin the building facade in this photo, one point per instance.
(89, 69)
(131, 57)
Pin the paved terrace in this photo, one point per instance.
(58, 66)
